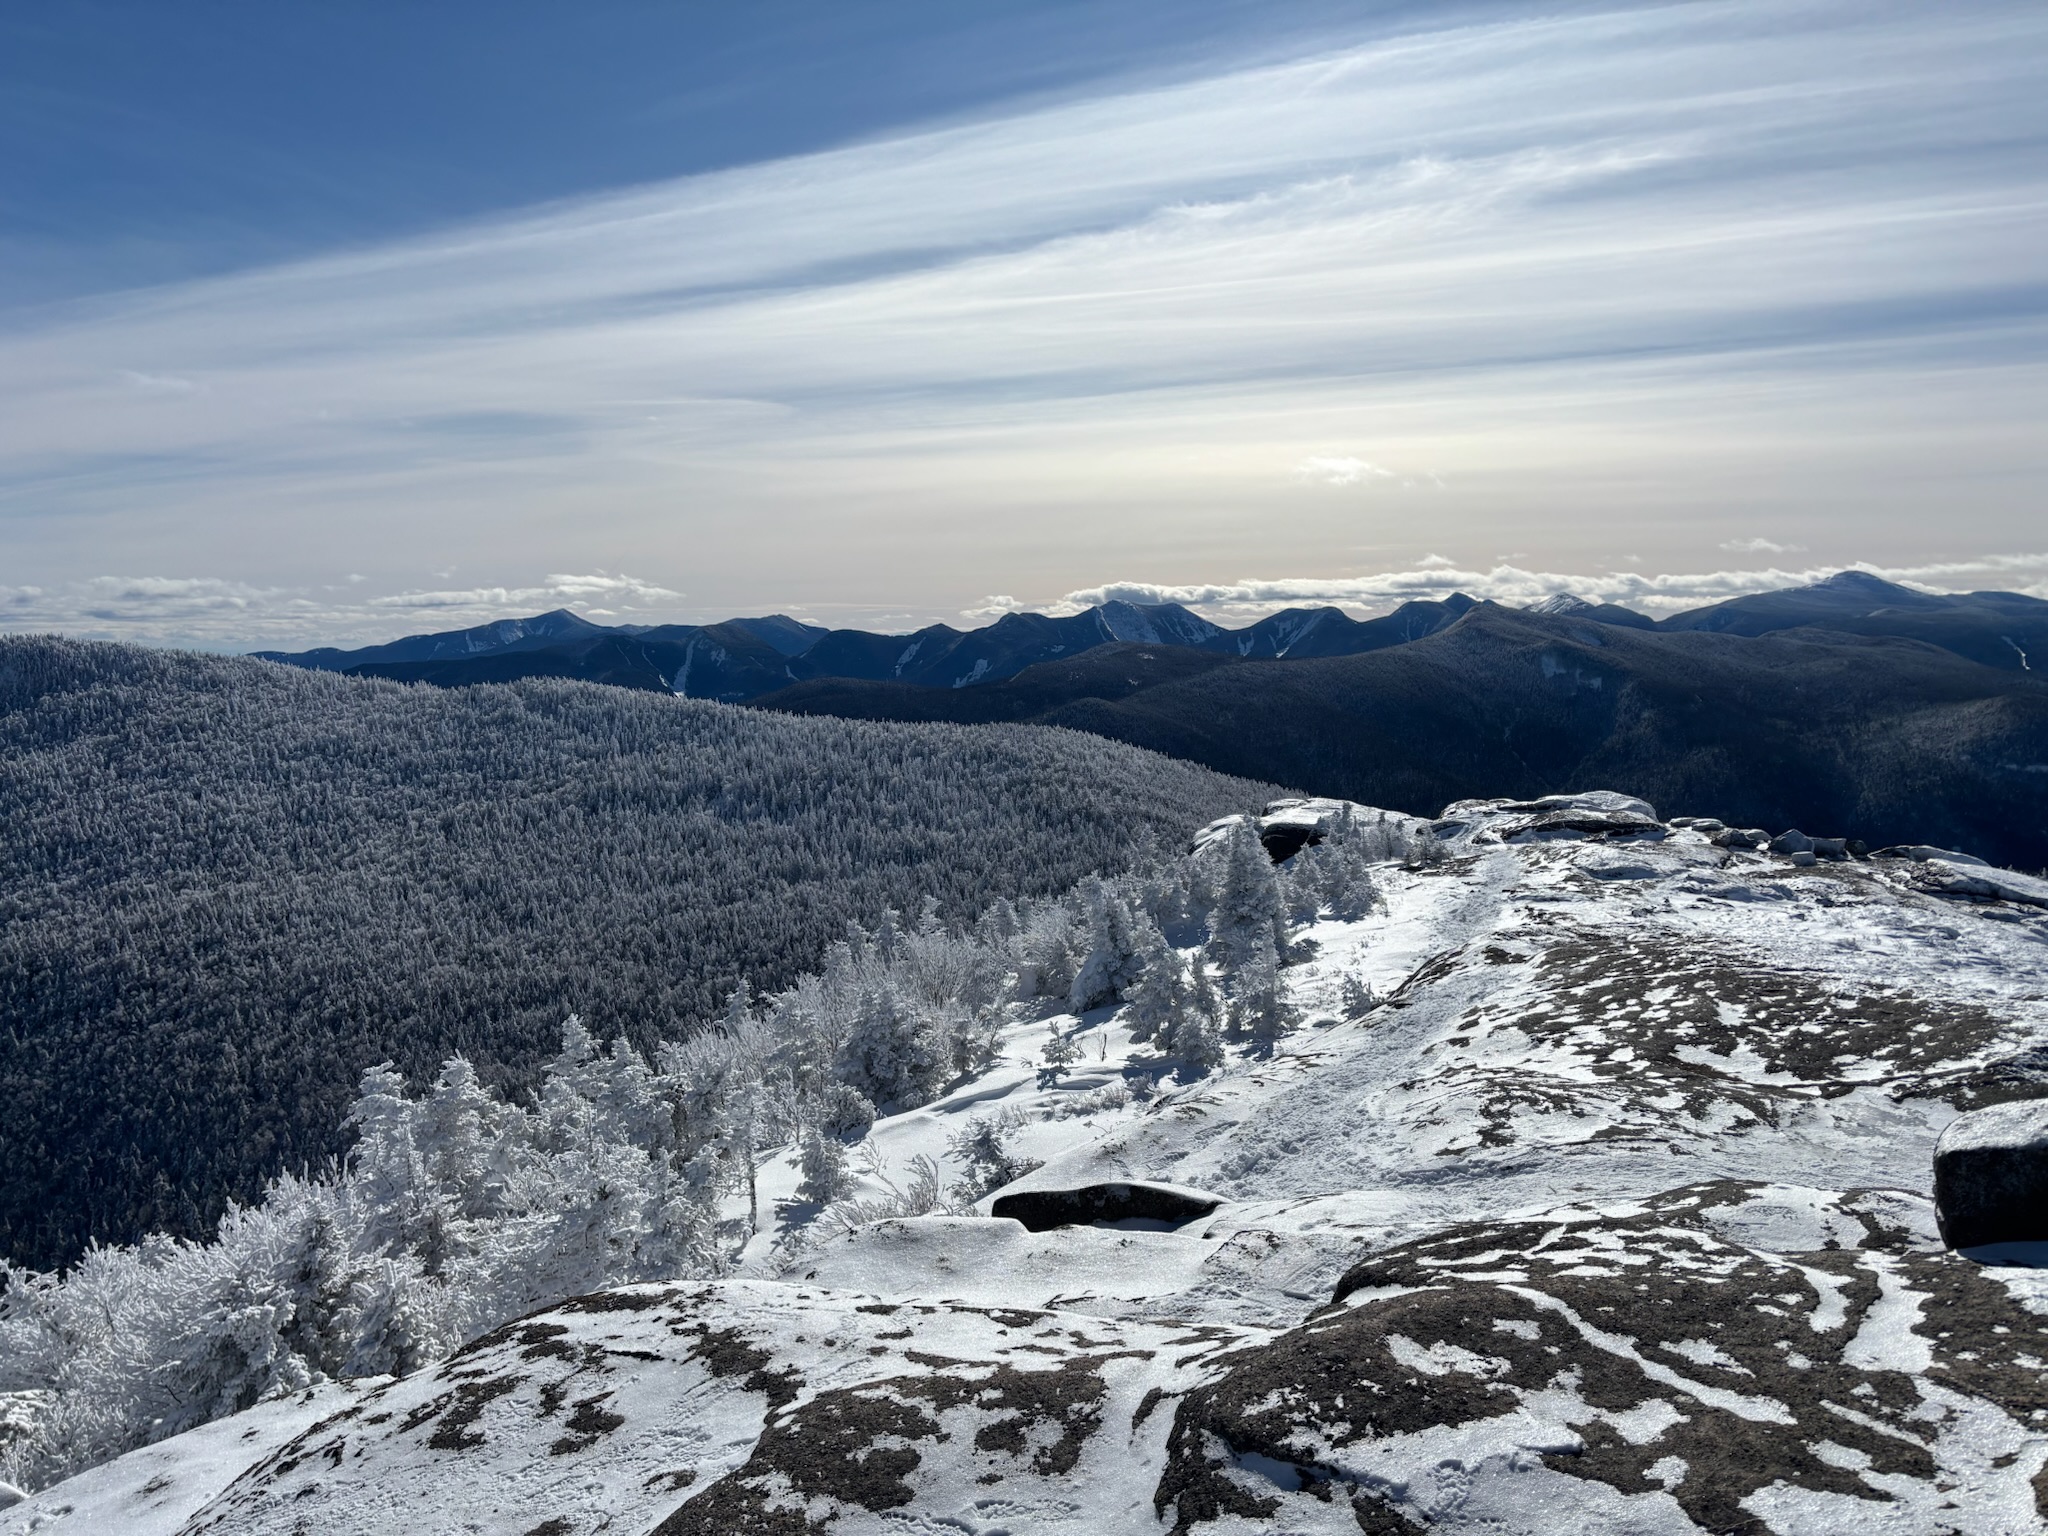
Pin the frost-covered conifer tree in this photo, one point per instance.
(983, 1148)
(1247, 909)
(1113, 959)
(1258, 1006)
(1062, 1050)
(1195, 1036)
(1162, 989)
(826, 1177)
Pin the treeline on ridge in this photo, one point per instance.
(457, 1210)
(227, 887)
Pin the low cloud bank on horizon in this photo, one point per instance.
(1640, 281)
(1655, 594)
(227, 615)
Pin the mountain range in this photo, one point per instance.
(1855, 703)
(741, 660)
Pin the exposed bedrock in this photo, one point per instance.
(1991, 1176)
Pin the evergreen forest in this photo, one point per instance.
(228, 887)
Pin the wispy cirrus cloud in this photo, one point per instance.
(557, 590)
(1644, 279)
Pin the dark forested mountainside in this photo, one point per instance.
(1106, 672)
(1888, 740)
(2007, 630)
(226, 887)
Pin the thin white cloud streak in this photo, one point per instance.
(553, 589)
(1340, 470)
(1662, 263)
(216, 613)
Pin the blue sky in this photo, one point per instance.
(324, 322)
(152, 142)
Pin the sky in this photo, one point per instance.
(328, 323)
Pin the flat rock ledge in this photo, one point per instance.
(1040, 1210)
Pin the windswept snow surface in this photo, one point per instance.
(1610, 1215)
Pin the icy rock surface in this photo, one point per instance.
(1606, 1211)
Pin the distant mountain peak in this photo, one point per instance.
(1156, 623)
(1855, 581)
(1561, 603)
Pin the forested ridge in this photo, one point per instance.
(226, 887)
(457, 1210)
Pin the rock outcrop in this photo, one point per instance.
(1137, 1200)
(1991, 1176)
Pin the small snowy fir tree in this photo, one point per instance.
(1359, 999)
(1258, 1003)
(1061, 1052)
(826, 1177)
(982, 1147)
(844, 1112)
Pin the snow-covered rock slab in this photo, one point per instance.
(1611, 1367)
(1952, 877)
(747, 1406)
(1631, 1370)
(156, 1490)
(1489, 1079)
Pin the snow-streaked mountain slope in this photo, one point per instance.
(1603, 1210)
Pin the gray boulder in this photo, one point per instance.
(1991, 1176)
(1740, 837)
(1793, 841)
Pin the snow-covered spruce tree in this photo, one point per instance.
(1161, 992)
(905, 1012)
(1062, 1050)
(1114, 958)
(845, 1113)
(1359, 998)
(1043, 950)
(1195, 1035)
(1247, 910)
(1258, 1001)
(1334, 875)
(893, 1050)
(826, 1178)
